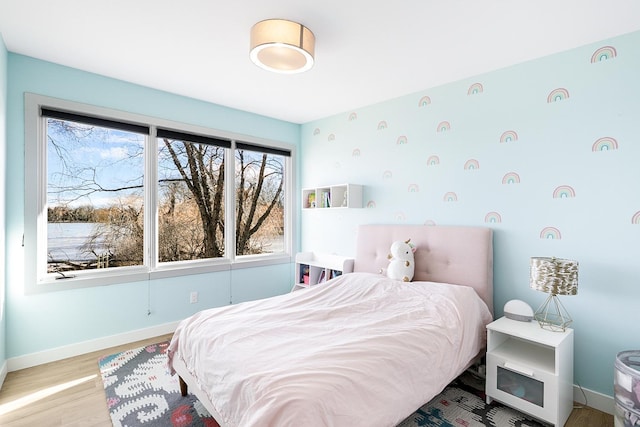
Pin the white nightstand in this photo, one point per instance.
(530, 369)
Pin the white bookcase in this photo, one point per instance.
(313, 268)
(332, 197)
(530, 369)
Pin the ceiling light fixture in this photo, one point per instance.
(282, 46)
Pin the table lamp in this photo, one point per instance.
(554, 276)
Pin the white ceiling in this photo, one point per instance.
(367, 51)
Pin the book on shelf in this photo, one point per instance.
(326, 199)
(323, 277)
(304, 274)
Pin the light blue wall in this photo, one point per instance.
(387, 147)
(46, 321)
(3, 153)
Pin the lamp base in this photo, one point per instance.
(552, 315)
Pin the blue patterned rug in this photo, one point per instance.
(140, 392)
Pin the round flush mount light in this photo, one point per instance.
(282, 46)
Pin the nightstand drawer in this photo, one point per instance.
(532, 390)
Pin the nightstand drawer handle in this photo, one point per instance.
(519, 369)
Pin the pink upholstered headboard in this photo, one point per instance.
(446, 254)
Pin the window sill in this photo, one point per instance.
(80, 281)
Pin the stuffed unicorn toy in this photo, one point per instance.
(401, 265)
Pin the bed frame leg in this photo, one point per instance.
(183, 386)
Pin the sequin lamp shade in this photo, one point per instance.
(554, 276)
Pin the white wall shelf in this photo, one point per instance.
(314, 268)
(332, 196)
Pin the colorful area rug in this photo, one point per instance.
(462, 404)
(141, 392)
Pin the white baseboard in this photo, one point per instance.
(3, 373)
(595, 400)
(59, 353)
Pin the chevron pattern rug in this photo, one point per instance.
(141, 392)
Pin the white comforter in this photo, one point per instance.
(360, 350)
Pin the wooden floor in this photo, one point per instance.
(70, 393)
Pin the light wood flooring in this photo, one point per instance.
(70, 393)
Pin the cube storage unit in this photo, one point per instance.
(332, 196)
(314, 268)
(627, 389)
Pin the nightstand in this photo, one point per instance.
(530, 369)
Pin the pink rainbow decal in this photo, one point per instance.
(353, 116)
(429, 222)
(371, 204)
(511, 178)
(605, 144)
(331, 137)
(563, 192)
(413, 188)
(508, 136)
(401, 140)
(450, 197)
(471, 164)
(558, 95)
(316, 131)
(443, 126)
(387, 175)
(433, 160)
(400, 216)
(382, 125)
(356, 152)
(493, 218)
(424, 101)
(635, 219)
(475, 89)
(550, 233)
(604, 53)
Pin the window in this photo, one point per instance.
(191, 202)
(122, 197)
(260, 202)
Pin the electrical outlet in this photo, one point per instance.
(193, 298)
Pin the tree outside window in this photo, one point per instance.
(96, 196)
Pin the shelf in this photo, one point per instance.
(332, 197)
(314, 268)
(533, 355)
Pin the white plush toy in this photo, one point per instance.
(401, 265)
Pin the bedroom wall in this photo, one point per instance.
(544, 152)
(50, 321)
(3, 151)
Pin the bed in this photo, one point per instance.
(358, 350)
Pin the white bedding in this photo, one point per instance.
(360, 350)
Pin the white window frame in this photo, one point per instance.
(35, 213)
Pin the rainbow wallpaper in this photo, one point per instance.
(471, 164)
(545, 153)
(475, 89)
(558, 95)
(509, 136)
